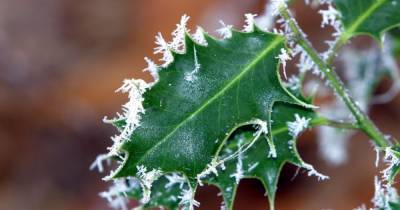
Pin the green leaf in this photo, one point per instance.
(234, 81)
(254, 163)
(372, 17)
(164, 193)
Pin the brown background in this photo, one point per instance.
(60, 62)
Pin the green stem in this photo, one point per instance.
(332, 123)
(364, 123)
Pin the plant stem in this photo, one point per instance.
(364, 122)
(332, 123)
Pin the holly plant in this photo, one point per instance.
(222, 109)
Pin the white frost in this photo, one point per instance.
(187, 199)
(146, 179)
(225, 31)
(283, 57)
(249, 22)
(298, 126)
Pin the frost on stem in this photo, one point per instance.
(384, 195)
(331, 17)
(298, 126)
(116, 195)
(392, 160)
(146, 179)
(187, 199)
(225, 31)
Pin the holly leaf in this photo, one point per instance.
(165, 192)
(187, 119)
(372, 17)
(253, 163)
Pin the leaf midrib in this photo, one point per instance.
(360, 20)
(278, 40)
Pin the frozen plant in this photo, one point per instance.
(219, 111)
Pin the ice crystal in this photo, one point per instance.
(187, 199)
(198, 36)
(383, 195)
(174, 179)
(239, 164)
(293, 83)
(152, 68)
(225, 31)
(297, 126)
(283, 57)
(146, 179)
(98, 163)
(178, 40)
(249, 22)
(313, 172)
(163, 48)
(116, 194)
(211, 168)
(132, 111)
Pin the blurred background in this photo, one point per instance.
(60, 63)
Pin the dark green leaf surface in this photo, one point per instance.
(255, 163)
(186, 121)
(371, 17)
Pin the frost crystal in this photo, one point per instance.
(116, 194)
(211, 168)
(276, 5)
(198, 36)
(392, 160)
(178, 40)
(187, 199)
(293, 83)
(384, 195)
(146, 179)
(173, 179)
(164, 49)
(239, 165)
(132, 111)
(297, 126)
(98, 163)
(329, 16)
(225, 31)
(152, 68)
(249, 22)
(313, 172)
(283, 57)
